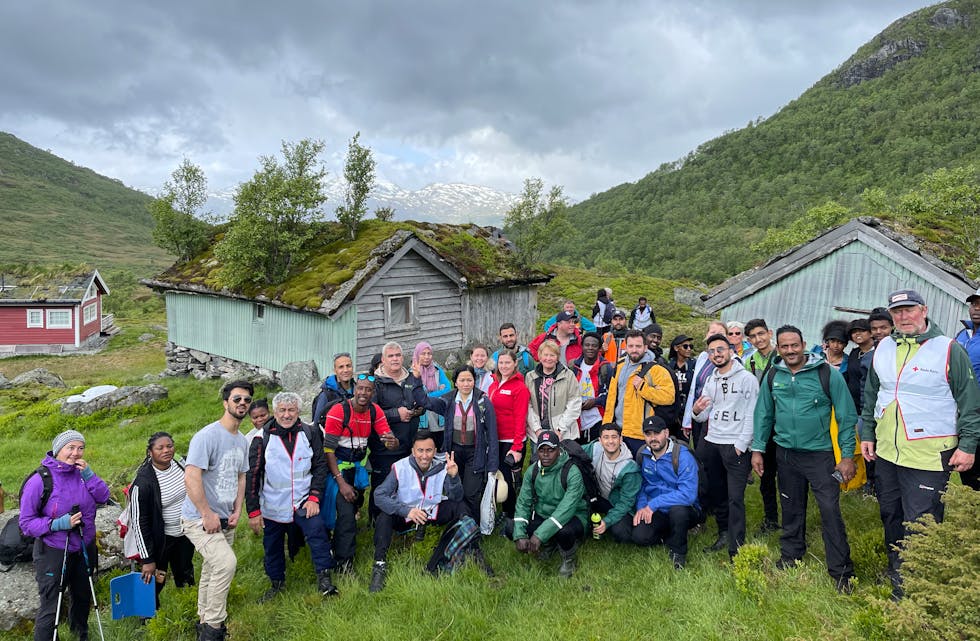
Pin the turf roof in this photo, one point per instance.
(338, 267)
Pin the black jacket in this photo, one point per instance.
(487, 451)
(146, 510)
(390, 395)
(255, 477)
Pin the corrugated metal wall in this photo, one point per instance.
(438, 309)
(230, 328)
(484, 310)
(856, 276)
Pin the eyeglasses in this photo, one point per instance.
(240, 399)
(365, 377)
(735, 333)
(686, 346)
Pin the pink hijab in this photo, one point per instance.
(429, 374)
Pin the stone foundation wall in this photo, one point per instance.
(184, 361)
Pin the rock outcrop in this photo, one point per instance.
(121, 397)
(39, 376)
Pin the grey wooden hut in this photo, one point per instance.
(843, 273)
(449, 285)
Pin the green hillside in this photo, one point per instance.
(907, 103)
(53, 211)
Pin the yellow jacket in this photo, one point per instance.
(656, 388)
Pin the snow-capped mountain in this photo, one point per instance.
(438, 202)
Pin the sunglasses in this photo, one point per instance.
(686, 346)
(239, 399)
(365, 377)
(735, 333)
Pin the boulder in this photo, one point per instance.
(145, 337)
(4, 383)
(298, 375)
(39, 376)
(18, 588)
(122, 397)
(200, 357)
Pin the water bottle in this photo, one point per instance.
(596, 519)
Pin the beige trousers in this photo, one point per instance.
(217, 571)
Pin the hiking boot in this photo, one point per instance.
(898, 591)
(378, 574)
(324, 584)
(345, 567)
(786, 564)
(507, 528)
(481, 561)
(272, 592)
(678, 560)
(547, 551)
(767, 527)
(721, 543)
(207, 633)
(844, 584)
(568, 564)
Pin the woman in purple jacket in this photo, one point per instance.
(54, 521)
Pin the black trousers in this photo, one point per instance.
(566, 538)
(622, 530)
(971, 478)
(178, 556)
(513, 478)
(380, 467)
(47, 571)
(589, 434)
(798, 472)
(767, 484)
(345, 527)
(668, 527)
(634, 444)
(385, 525)
(905, 494)
(473, 481)
(727, 474)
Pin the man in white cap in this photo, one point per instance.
(921, 420)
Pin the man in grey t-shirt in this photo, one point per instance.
(217, 460)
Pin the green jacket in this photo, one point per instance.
(558, 505)
(889, 432)
(799, 410)
(626, 486)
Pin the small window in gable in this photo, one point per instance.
(59, 319)
(35, 318)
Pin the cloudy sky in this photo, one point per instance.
(583, 93)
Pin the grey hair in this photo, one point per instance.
(392, 345)
(738, 324)
(286, 398)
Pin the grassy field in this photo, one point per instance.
(620, 592)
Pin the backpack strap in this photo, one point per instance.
(823, 371)
(675, 455)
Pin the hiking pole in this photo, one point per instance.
(91, 584)
(61, 587)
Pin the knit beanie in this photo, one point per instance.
(64, 439)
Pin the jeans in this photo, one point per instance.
(274, 535)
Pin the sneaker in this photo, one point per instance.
(325, 585)
(272, 592)
(785, 564)
(678, 560)
(721, 543)
(378, 574)
(345, 567)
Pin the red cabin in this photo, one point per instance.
(50, 313)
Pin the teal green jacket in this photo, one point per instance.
(625, 487)
(558, 505)
(799, 411)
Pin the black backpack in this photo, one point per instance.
(14, 544)
(666, 412)
(577, 457)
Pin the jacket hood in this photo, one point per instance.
(331, 382)
(384, 378)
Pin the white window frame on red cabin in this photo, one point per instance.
(94, 308)
(39, 323)
(52, 325)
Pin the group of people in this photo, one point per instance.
(592, 432)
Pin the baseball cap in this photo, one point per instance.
(653, 424)
(549, 439)
(972, 297)
(904, 298)
(563, 316)
(619, 312)
(683, 338)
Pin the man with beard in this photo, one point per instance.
(593, 373)
(726, 405)
(217, 460)
(284, 485)
(508, 340)
(921, 420)
(794, 403)
(614, 341)
(639, 388)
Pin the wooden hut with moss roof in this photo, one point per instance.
(450, 285)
